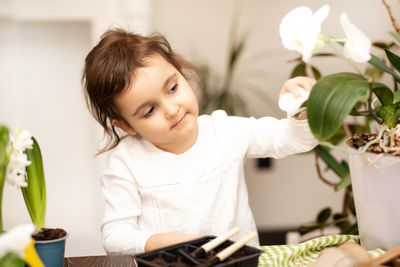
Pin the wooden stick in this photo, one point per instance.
(235, 246)
(205, 248)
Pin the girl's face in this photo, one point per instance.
(160, 106)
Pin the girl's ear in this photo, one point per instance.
(123, 126)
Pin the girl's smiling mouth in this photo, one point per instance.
(179, 122)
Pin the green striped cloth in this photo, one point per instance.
(304, 253)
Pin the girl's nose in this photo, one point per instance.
(171, 109)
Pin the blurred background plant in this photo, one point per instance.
(226, 91)
(345, 219)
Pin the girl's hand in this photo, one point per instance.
(293, 94)
(290, 86)
(166, 239)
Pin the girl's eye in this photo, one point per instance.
(149, 112)
(174, 88)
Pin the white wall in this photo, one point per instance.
(42, 94)
(40, 67)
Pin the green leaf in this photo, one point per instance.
(345, 182)
(394, 59)
(331, 162)
(374, 73)
(331, 100)
(340, 169)
(383, 45)
(376, 62)
(324, 215)
(35, 193)
(351, 230)
(340, 220)
(396, 97)
(11, 259)
(311, 226)
(235, 53)
(316, 73)
(352, 206)
(299, 70)
(388, 115)
(4, 135)
(324, 55)
(384, 94)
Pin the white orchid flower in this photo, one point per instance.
(22, 140)
(300, 30)
(18, 240)
(358, 44)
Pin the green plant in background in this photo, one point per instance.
(225, 98)
(339, 95)
(21, 165)
(220, 92)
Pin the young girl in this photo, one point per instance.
(174, 175)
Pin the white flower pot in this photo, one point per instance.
(377, 199)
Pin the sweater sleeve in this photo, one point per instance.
(263, 137)
(121, 234)
(270, 137)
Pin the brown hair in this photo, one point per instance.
(110, 68)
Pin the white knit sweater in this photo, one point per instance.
(202, 191)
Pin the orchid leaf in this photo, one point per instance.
(351, 205)
(340, 169)
(316, 73)
(388, 115)
(384, 94)
(324, 55)
(35, 193)
(299, 70)
(376, 62)
(394, 59)
(324, 215)
(345, 182)
(331, 100)
(374, 73)
(351, 230)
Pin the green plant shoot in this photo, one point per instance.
(3, 166)
(35, 193)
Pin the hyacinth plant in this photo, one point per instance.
(336, 96)
(21, 165)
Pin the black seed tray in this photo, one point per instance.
(177, 255)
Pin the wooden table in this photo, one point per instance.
(112, 261)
